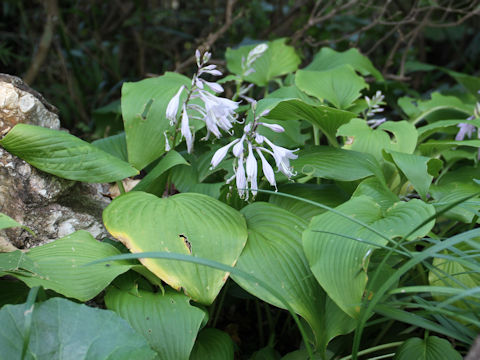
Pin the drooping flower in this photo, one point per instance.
(185, 129)
(282, 158)
(172, 107)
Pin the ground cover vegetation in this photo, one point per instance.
(294, 201)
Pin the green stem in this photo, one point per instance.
(316, 135)
(220, 305)
(375, 348)
(120, 187)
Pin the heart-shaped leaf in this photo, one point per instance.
(64, 155)
(274, 254)
(143, 108)
(328, 58)
(60, 266)
(336, 246)
(340, 86)
(430, 348)
(167, 321)
(185, 223)
(64, 330)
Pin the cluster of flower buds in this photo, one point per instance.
(253, 55)
(245, 165)
(374, 108)
(218, 113)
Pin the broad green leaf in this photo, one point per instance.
(213, 344)
(279, 59)
(419, 170)
(360, 137)
(64, 330)
(418, 110)
(168, 322)
(7, 222)
(149, 182)
(327, 59)
(469, 82)
(337, 164)
(326, 118)
(450, 192)
(64, 155)
(143, 108)
(187, 223)
(266, 353)
(186, 179)
(337, 250)
(326, 194)
(115, 145)
(274, 254)
(378, 191)
(433, 147)
(60, 266)
(340, 86)
(453, 274)
(430, 348)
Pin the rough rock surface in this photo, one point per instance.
(50, 206)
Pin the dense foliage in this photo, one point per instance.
(372, 232)
(303, 205)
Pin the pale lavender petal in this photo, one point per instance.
(465, 130)
(241, 180)
(267, 169)
(275, 127)
(214, 86)
(238, 148)
(186, 132)
(172, 107)
(221, 153)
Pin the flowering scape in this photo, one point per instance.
(219, 114)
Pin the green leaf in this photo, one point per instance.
(168, 322)
(327, 59)
(274, 254)
(326, 118)
(64, 330)
(279, 59)
(417, 110)
(378, 191)
(213, 344)
(449, 192)
(64, 155)
(372, 141)
(187, 223)
(144, 104)
(327, 194)
(337, 164)
(338, 247)
(419, 170)
(7, 222)
(430, 348)
(115, 145)
(340, 86)
(149, 182)
(59, 266)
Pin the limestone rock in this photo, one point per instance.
(52, 207)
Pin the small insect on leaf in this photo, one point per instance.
(187, 243)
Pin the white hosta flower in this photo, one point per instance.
(238, 148)
(373, 123)
(214, 86)
(221, 153)
(252, 170)
(267, 169)
(172, 107)
(167, 143)
(254, 54)
(240, 179)
(275, 127)
(219, 113)
(185, 130)
(282, 158)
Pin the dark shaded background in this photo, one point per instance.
(78, 53)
